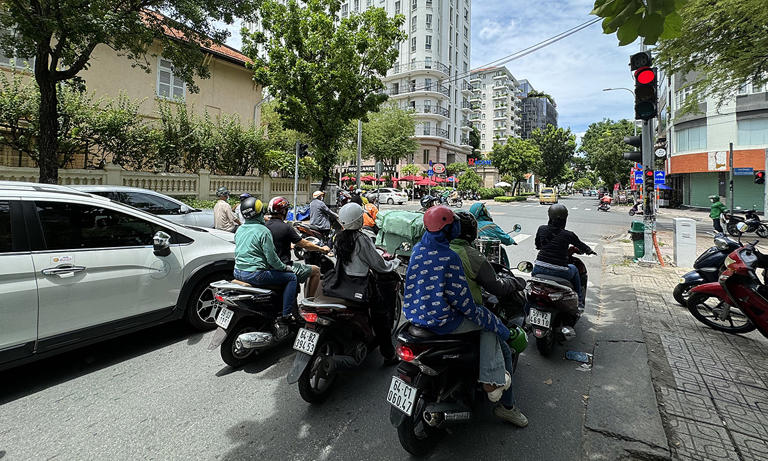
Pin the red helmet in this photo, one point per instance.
(437, 217)
(277, 205)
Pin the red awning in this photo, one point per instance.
(425, 182)
(368, 178)
(345, 178)
(410, 177)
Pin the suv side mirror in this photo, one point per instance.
(161, 243)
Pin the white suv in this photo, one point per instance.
(76, 268)
(389, 196)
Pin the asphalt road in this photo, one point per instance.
(159, 394)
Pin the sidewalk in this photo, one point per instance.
(711, 387)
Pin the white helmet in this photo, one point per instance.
(351, 216)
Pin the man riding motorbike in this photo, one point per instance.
(438, 298)
(256, 261)
(553, 242)
(320, 216)
(283, 235)
(358, 256)
(486, 228)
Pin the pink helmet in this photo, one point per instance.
(437, 217)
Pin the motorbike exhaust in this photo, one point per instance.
(568, 333)
(438, 415)
(254, 340)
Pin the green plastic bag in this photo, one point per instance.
(396, 227)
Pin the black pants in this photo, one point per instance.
(385, 290)
(716, 224)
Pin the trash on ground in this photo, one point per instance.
(578, 356)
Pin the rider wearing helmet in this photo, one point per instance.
(427, 202)
(553, 242)
(343, 198)
(438, 298)
(256, 261)
(369, 218)
(357, 255)
(223, 216)
(715, 211)
(320, 216)
(283, 234)
(490, 230)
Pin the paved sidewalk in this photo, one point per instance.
(711, 387)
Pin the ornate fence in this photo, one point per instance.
(202, 185)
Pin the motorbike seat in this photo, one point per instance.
(552, 278)
(327, 302)
(316, 228)
(275, 288)
(416, 334)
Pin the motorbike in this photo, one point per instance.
(435, 386)
(604, 206)
(706, 268)
(336, 336)
(637, 208)
(493, 250)
(553, 304)
(751, 219)
(320, 237)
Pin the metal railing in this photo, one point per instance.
(428, 131)
(419, 65)
(425, 109)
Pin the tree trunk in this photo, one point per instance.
(48, 141)
(514, 188)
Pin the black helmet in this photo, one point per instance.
(468, 226)
(343, 198)
(251, 208)
(427, 201)
(558, 214)
(222, 192)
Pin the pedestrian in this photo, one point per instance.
(715, 211)
(223, 216)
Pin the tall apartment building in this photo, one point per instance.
(495, 106)
(537, 111)
(431, 75)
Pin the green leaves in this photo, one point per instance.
(604, 147)
(630, 19)
(516, 157)
(388, 136)
(557, 146)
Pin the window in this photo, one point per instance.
(482, 146)
(428, 84)
(450, 54)
(146, 202)
(68, 226)
(428, 43)
(466, 14)
(451, 158)
(18, 62)
(429, 22)
(692, 139)
(429, 3)
(414, 20)
(427, 128)
(450, 15)
(753, 132)
(169, 86)
(396, 88)
(428, 62)
(466, 50)
(414, 4)
(368, 3)
(397, 7)
(357, 5)
(757, 88)
(466, 32)
(413, 45)
(466, 68)
(425, 156)
(6, 244)
(413, 85)
(482, 136)
(344, 10)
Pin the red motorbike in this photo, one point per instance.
(740, 298)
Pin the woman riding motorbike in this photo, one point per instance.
(486, 228)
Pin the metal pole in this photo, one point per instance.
(649, 216)
(765, 190)
(359, 150)
(730, 169)
(296, 180)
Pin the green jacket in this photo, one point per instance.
(471, 259)
(255, 249)
(716, 210)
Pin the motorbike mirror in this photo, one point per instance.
(404, 246)
(517, 228)
(161, 244)
(525, 267)
(742, 227)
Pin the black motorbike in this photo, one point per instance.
(604, 206)
(706, 268)
(436, 382)
(751, 219)
(554, 305)
(320, 237)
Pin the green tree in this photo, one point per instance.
(323, 71)
(456, 169)
(388, 136)
(650, 19)
(239, 150)
(716, 36)
(120, 135)
(603, 146)
(474, 140)
(62, 34)
(582, 183)
(557, 147)
(470, 181)
(516, 158)
(410, 169)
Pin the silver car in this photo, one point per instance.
(77, 268)
(155, 203)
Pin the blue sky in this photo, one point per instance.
(574, 70)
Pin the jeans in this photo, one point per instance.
(271, 277)
(495, 358)
(716, 224)
(572, 275)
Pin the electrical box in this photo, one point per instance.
(685, 242)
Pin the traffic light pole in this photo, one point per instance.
(765, 190)
(649, 210)
(296, 179)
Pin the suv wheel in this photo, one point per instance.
(201, 310)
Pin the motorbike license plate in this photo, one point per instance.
(306, 341)
(224, 317)
(539, 318)
(401, 395)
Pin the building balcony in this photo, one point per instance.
(500, 96)
(432, 132)
(500, 117)
(465, 141)
(475, 78)
(426, 111)
(422, 67)
(420, 90)
(466, 88)
(475, 116)
(476, 97)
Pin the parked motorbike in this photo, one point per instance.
(553, 304)
(637, 208)
(751, 219)
(337, 336)
(738, 302)
(706, 268)
(436, 382)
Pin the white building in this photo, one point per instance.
(431, 75)
(496, 106)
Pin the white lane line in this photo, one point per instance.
(574, 208)
(520, 238)
(526, 206)
(587, 209)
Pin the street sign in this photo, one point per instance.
(430, 172)
(660, 152)
(743, 171)
(439, 168)
(638, 166)
(658, 177)
(638, 177)
(430, 163)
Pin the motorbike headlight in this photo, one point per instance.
(682, 280)
(729, 261)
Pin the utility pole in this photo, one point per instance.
(649, 209)
(730, 175)
(765, 190)
(296, 179)
(359, 150)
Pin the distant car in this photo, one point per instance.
(388, 195)
(593, 193)
(155, 203)
(547, 195)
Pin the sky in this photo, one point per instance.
(574, 70)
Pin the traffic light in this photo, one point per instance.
(759, 177)
(303, 150)
(646, 86)
(648, 181)
(634, 141)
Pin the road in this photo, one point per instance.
(159, 394)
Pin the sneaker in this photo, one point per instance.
(495, 395)
(512, 415)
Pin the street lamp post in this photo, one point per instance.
(633, 94)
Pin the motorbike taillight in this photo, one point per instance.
(405, 353)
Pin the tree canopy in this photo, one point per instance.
(650, 19)
(516, 158)
(324, 72)
(388, 136)
(557, 146)
(604, 147)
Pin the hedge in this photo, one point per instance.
(487, 193)
(506, 199)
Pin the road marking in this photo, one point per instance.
(520, 238)
(587, 209)
(526, 206)
(574, 208)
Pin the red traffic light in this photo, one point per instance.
(649, 173)
(645, 76)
